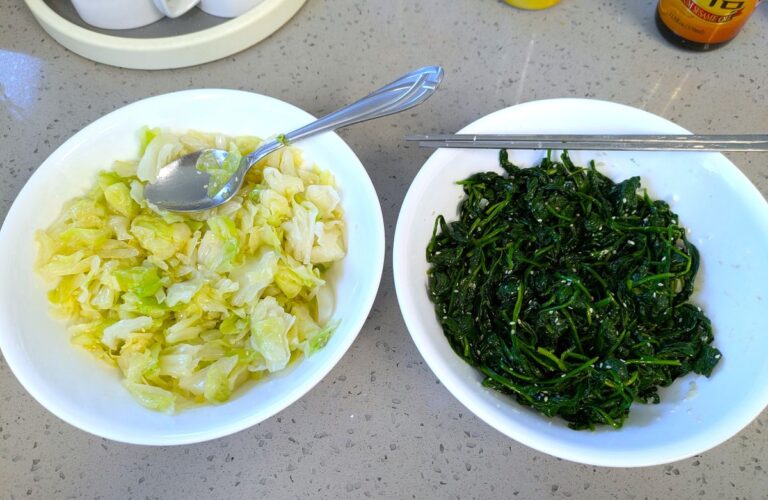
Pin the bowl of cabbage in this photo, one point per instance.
(151, 327)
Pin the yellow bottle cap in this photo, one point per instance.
(532, 4)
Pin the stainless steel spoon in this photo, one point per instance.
(182, 187)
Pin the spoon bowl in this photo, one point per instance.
(183, 175)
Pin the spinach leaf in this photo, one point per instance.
(569, 291)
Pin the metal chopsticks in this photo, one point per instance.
(748, 142)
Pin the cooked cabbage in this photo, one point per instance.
(191, 306)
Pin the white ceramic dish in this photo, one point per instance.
(117, 14)
(728, 222)
(179, 51)
(87, 392)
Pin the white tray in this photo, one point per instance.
(138, 52)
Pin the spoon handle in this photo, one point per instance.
(406, 92)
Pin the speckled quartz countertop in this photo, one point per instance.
(379, 425)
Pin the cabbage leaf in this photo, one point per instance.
(188, 307)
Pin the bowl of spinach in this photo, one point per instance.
(602, 307)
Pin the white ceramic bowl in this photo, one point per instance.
(129, 14)
(86, 392)
(117, 14)
(728, 222)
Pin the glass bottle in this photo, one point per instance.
(702, 24)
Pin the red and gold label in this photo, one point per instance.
(706, 21)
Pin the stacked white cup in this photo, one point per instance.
(128, 14)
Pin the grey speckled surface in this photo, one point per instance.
(379, 425)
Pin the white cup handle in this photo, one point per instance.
(174, 8)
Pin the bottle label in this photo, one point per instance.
(718, 13)
(706, 21)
